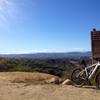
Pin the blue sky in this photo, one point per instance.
(28, 26)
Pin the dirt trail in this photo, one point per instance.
(23, 91)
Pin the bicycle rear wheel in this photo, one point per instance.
(97, 79)
(78, 77)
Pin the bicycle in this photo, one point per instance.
(80, 77)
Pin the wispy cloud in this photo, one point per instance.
(6, 7)
(78, 49)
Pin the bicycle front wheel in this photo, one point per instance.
(78, 77)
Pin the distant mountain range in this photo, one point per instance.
(71, 55)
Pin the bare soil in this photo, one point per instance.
(22, 90)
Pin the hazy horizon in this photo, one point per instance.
(44, 52)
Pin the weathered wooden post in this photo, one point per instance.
(95, 44)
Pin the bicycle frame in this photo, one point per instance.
(94, 66)
(94, 70)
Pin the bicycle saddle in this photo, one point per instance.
(97, 59)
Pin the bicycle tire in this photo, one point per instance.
(97, 80)
(77, 81)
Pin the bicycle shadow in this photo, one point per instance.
(91, 87)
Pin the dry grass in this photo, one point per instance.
(25, 77)
(21, 91)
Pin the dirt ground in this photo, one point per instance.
(22, 91)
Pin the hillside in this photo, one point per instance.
(59, 67)
(74, 55)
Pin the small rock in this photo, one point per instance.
(67, 82)
(54, 80)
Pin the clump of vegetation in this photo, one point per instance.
(59, 67)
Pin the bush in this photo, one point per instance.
(59, 67)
